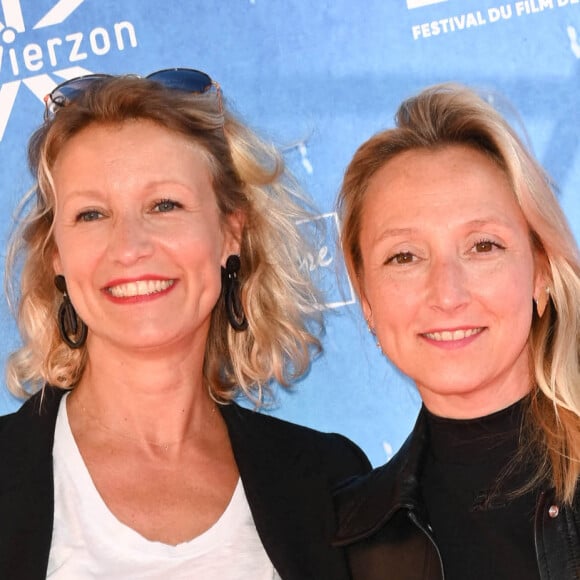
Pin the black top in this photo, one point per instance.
(483, 529)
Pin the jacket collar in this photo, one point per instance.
(365, 504)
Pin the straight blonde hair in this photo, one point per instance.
(450, 114)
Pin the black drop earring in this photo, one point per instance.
(72, 329)
(232, 293)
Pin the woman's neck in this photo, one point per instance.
(470, 401)
(467, 441)
(149, 396)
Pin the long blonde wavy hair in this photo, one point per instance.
(453, 114)
(249, 176)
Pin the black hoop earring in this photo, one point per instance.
(231, 292)
(72, 329)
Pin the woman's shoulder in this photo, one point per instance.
(280, 428)
(261, 419)
(26, 439)
(37, 411)
(266, 430)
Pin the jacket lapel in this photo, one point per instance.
(26, 487)
(289, 498)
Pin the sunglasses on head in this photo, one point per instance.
(180, 79)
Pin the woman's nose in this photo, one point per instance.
(448, 284)
(130, 240)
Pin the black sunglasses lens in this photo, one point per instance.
(69, 90)
(187, 80)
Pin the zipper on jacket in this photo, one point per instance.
(413, 517)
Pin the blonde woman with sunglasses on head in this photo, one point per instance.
(159, 279)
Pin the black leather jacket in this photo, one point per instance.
(383, 524)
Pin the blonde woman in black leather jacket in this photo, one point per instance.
(468, 274)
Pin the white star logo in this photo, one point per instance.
(35, 57)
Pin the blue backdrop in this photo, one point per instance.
(318, 78)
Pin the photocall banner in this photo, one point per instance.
(318, 78)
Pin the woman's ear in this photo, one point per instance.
(542, 283)
(56, 263)
(365, 305)
(233, 230)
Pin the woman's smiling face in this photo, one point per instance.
(448, 278)
(139, 236)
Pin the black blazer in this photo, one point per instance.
(288, 473)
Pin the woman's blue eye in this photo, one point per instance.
(166, 205)
(89, 216)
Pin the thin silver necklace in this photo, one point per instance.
(162, 445)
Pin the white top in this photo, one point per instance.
(89, 542)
